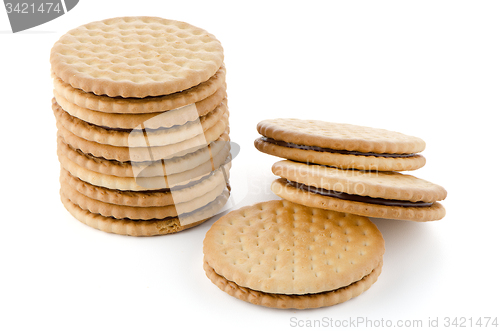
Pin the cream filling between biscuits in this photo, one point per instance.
(294, 295)
(358, 198)
(227, 191)
(329, 150)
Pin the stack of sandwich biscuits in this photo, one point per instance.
(141, 110)
(351, 169)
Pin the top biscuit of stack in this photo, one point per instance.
(343, 146)
(136, 57)
(350, 168)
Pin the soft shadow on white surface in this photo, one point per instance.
(413, 264)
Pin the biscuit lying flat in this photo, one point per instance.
(140, 228)
(135, 137)
(136, 57)
(374, 194)
(140, 213)
(165, 119)
(141, 154)
(162, 103)
(283, 255)
(340, 145)
(143, 124)
(153, 198)
(213, 155)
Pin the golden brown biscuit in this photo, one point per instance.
(140, 228)
(164, 119)
(374, 194)
(153, 198)
(214, 154)
(140, 213)
(150, 153)
(282, 248)
(120, 105)
(136, 57)
(343, 146)
(139, 137)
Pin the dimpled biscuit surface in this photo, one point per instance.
(339, 136)
(282, 247)
(136, 57)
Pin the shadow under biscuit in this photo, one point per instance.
(413, 261)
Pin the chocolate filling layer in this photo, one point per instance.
(329, 150)
(359, 198)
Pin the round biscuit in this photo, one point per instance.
(285, 248)
(136, 57)
(141, 228)
(418, 214)
(342, 161)
(339, 136)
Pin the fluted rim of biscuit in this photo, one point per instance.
(342, 161)
(417, 214)
(284, 301)
(386, 185)
(136, 56)
(120, 105)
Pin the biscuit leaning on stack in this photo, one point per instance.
(141, 111)
(351, 169)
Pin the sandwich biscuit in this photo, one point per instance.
(367, 193)
(343, 146)
(136, 57)
(284, 255)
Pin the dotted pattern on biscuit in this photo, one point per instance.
(136, 57)
(339, 136)
(282, 247)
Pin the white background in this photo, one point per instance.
(424, 68)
